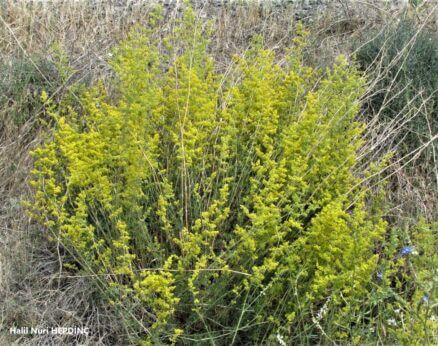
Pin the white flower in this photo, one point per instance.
(323, 311)
(392, 322)
(280, 340)
(263, 292)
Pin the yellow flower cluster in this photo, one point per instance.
(218, 201)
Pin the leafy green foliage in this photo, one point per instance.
(402, 306)
(217, 208)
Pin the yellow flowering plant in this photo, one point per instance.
(223, 206)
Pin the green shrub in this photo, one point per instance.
(405, 58)
(402, 307)
(216, 208)
(21, 83)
